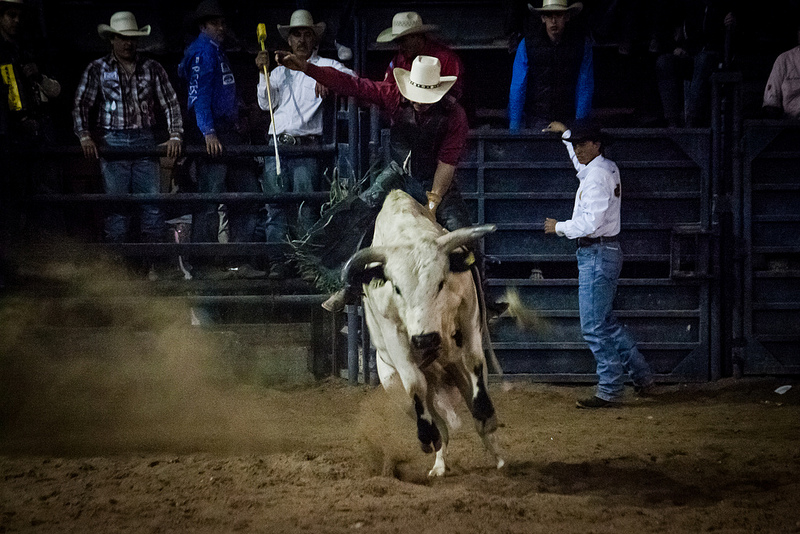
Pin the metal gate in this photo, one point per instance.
(770, 242)
(516, 181)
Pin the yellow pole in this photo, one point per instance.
(262, 36)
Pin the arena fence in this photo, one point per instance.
(711, 283)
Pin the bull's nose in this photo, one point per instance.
(426, 341)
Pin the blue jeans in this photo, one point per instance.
(672, 71)
(137, 176)
(614, 350)
(298, 175)
(220, 175)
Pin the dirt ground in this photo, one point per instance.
(153, 433)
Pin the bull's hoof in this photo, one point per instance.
(437, 471)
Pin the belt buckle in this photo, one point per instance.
(287, 139)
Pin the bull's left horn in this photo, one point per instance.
(356, 264)
(463, 236)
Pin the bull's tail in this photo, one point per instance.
(488, 349)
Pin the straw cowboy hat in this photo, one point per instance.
(423, 83)
(555, 6)
(301, 19)
(122, 23)
(406, 23)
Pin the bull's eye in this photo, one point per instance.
(397, 290)
(441, 285)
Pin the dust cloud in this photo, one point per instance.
(97, 370)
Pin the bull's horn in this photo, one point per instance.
(457, 238)
(361, 259)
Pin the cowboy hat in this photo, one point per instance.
(423, 83)
(405, 23)
(5, 5)
(122, 23)
(301, 19)
(208, 9)
(587, 130)
(551, 6)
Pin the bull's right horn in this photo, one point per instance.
(356, 264)
(463, 236)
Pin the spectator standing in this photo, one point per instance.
(124, 89)
(782, 93)
(697, 34)
(553, 74)
(595, 223)
(214, 108)
(25, 121)
(413, 38)
(27, 87)
(297, 110)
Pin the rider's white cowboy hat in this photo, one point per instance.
(550, 6)
(301, 19)
(423, 83)
(122, 23)
(405, 23)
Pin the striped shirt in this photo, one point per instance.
(125, 101)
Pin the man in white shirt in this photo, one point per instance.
(782, 93)
(595, 223)
(297, 109)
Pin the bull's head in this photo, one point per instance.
(421, 282)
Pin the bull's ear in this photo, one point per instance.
(355, 270)
(463, 236)
(371, 273)
(461, 261)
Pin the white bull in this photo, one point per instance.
(422, 310)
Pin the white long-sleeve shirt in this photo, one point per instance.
(783, 86)
(297, 109)
(598, 200)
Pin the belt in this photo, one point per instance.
(589, 241)
(287, 139)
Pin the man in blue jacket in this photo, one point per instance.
(553, 75)
(214, 105)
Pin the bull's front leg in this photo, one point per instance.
(427, 432)
(397, 363)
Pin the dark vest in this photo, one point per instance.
(421, 136)
(553, 71)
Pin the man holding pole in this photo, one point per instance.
(297, 121)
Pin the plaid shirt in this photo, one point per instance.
(125, 101)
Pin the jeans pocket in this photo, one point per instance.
(610, 261)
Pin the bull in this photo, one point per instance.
(423, 313)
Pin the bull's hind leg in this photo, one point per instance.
(472, 385)
(485, 416)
